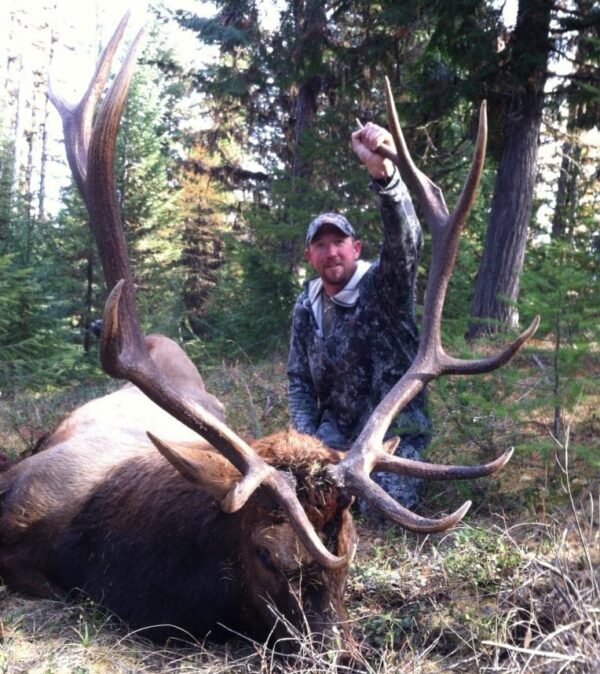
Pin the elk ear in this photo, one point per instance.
(200, 464)
(389, 446)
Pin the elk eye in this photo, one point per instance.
(265, 559)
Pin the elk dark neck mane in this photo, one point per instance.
(145, 510)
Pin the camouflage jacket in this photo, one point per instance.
(335, 382)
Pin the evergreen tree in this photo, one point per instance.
(7, 170)
(289, 98)
(150, 217)
(148, 205)
(579, 95)
(498, 280)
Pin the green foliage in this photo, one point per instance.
(481, 557)
(258, 92)
(542, 392)
(21, 335)
(50, 278)
(24, 334)
(250, 307)
(389, 629)
(150, 212)
(7, 161)
(37, 348)
(442, 59)
(560, 283)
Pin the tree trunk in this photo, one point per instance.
(563, 219)
(25, 187)
(311, 28)
(566, 192)
(86, 317)
(497, 285)
(41, 209)
(309, 54)
(10, 128)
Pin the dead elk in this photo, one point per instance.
(100, 510)
(210, 539)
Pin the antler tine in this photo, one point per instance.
(138, 367)
(428, 193)
(445, 236)
(103, 206)
(481, 365)
(123, 351)
(469, 191)
(77, 119)
(366, 454)
(436, 471)
(384, 503)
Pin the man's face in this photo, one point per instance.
(333, 255)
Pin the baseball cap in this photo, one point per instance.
(334, 219)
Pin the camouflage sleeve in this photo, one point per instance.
(402, 243)
(302, 397)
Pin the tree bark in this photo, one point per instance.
(566, 192)
(88, 300)
(497, 285)
(41, 209)
(311, 30)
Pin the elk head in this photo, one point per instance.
(300, 535)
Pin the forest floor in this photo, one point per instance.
(514, 588)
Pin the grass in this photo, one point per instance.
(513, 589)
(531, 604)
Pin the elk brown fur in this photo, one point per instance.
(100, 511)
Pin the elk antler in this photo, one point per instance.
(366, 454)
(90, 151)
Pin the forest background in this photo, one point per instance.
(226, 153)
(235, 135)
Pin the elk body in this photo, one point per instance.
(100, 511)
(208, 534)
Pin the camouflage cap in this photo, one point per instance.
(334, 219)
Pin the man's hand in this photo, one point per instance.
(365, 142)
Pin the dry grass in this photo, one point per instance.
(486, 597)
(514, 589)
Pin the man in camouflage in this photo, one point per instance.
(353, 328)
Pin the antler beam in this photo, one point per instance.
(366, 454)
(90, 152)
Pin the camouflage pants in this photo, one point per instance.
(405, 490)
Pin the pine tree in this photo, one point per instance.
(288, 98)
